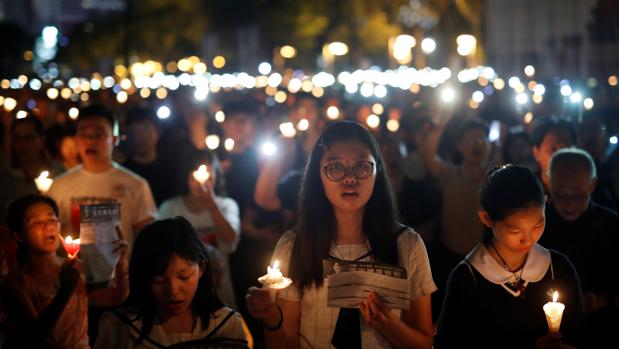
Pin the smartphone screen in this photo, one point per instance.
(495, 131)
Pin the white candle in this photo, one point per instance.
(274, 276)
(201, 174)
(274, 280)
(554, 313)
(43, 183)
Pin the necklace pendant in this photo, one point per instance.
(517, 286)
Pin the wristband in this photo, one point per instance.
(279, 324)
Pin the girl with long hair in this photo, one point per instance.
(172, 298)
(347, 212)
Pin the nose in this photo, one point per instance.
(349, 177)
(527, 239)
(173, 289)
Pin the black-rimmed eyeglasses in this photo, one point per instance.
(336, 171)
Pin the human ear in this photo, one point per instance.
(592, 185)
(484, 217)
(536, 153)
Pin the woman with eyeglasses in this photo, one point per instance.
(346, 212)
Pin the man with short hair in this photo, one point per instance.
(548, 137)
(460, 184)
(101, 180)
(588, 234)
(143, 137)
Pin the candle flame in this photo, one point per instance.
(201, 175)
(276, 265)
(555, 296)
(69, 240)
(44, 174)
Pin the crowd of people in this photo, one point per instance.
(483, 229)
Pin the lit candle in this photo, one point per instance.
(274, 276)
(43, 183)
(71, 246)
(274, 280)
(201, 174)
(554, 313)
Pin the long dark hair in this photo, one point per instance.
(317, 227)
(17, 214)
(150, 257)
(506, 189)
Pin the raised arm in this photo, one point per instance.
(429, 150)
(271, 171)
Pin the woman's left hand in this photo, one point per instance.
(376, 313)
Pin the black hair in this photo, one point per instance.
(552, 125)
(54, 137)
(151, 254)
(17, 214)
(509, 188)
(317, 225)
(306, 95)
(204, 157)
(38, 125)
(141, 114)
(96, 111)
(471, 124)
(39, 129)
(241, 106)
(512, 137)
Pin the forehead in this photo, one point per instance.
(239, 117)
(572, 179)
(178, 263)
(347, 150)
(24, 127)
(40, 208)
(524, 216)
(557, 136)
(474, 132)
(97, 123)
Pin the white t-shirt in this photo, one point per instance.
(203, 221)
(318, 321)
(204, 225)
(116, 185)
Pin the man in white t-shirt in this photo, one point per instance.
(100, 180)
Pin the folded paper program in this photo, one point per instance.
(348, 283)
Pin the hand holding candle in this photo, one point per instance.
(201, 175)
(274, 279)
(71, 246)
(554, 313)
(43, 183)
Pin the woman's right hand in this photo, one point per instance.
(69, 276)
(261, 306)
